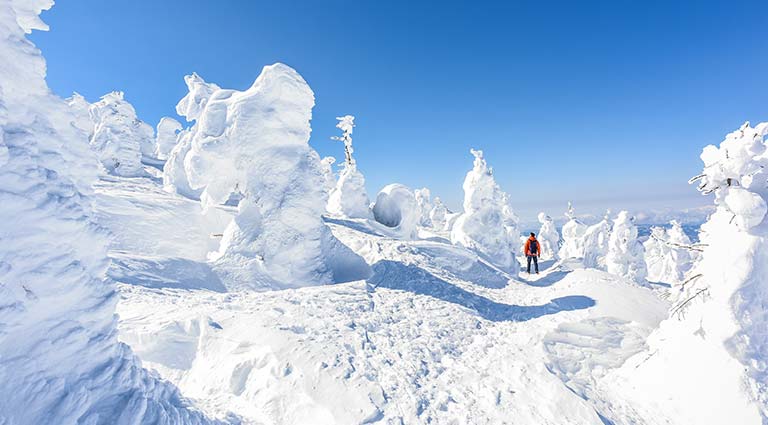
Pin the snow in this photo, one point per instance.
(167, 130)
(438, 217)
(626, 256)
(573, 236)
(119, 138)
(424, 205)
(596, 245)
(548, 238)
(666, 256)
(487, 224)
(396, 208)
(349, 198)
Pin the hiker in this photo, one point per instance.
(532, 252)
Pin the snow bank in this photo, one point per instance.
(573, 236)
(396, 208)
(254, 145)
(548, 237)
(167, 130)
(60, 361)
(119, 138)
(487, 224)
(626, 256)
(710, 359)
(596, 245)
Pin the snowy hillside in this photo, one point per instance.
(221, 272)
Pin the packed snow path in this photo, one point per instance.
(435, 335)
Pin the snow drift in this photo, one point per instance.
(60, 361)
(487, 224)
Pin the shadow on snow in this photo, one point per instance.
(394, 275)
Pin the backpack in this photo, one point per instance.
(533, 248)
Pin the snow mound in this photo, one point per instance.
(167, 130)
(119, 138)
(573, 236)
(548, 237)
(396, 208)
(60, 361)
(487, 224)
(254, 145)
(626, 256)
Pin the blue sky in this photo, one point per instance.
(604, 103)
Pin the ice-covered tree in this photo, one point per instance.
(438, 215)
(626, 256)
(167, 132)
(396, 207)
(487, 224)
(668, 254)
(328, 177)
(254, 144)
(596, 240)
(424, 204)
(119, 138)
(349, 198)
(548, 237)
(573, 236)
(685, 251)
(60, 359)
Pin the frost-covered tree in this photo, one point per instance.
(119, 138)
(254, 144)
(439, 214)
(328, 177)
(424, 204)
(668, 254)
(349, 198)
(626, 256)
(548, 237)
(685, 251)
(573, 236)
(167, 132)
(487, 225)
(60, 359)
(596, 240)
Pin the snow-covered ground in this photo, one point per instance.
(436, 334)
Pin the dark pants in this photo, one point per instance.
(535, 259)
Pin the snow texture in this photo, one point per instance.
(397, 209)
(626, 256)
(573, 236)
(487, 224)
(548, 238)
(167, 131)
(596, 244)
(60, 361)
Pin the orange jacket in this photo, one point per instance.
(528, 247)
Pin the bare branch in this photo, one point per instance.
(679, 308)
(698, 247)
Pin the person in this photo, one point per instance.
(532, 252)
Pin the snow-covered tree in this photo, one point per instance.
(424, 204)
(487, 224)
(596, 243)
(548, 237)
(626, 256)
(119, 138)
(167, 131)
(328, 177)
(438, 215)
(684, 249)
(255, 143)
(349, 198)
(573, 236)
(60, 359)
(396, 207)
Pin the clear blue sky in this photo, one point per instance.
(604, 103)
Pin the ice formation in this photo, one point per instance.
(626, 256)
(349, 198)
(487, 224)
(60, 361)
(573, 236)
(119, 138)
(596, 240)
(254, 145)
(396, 207)
(548, 237)
(167, 131)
